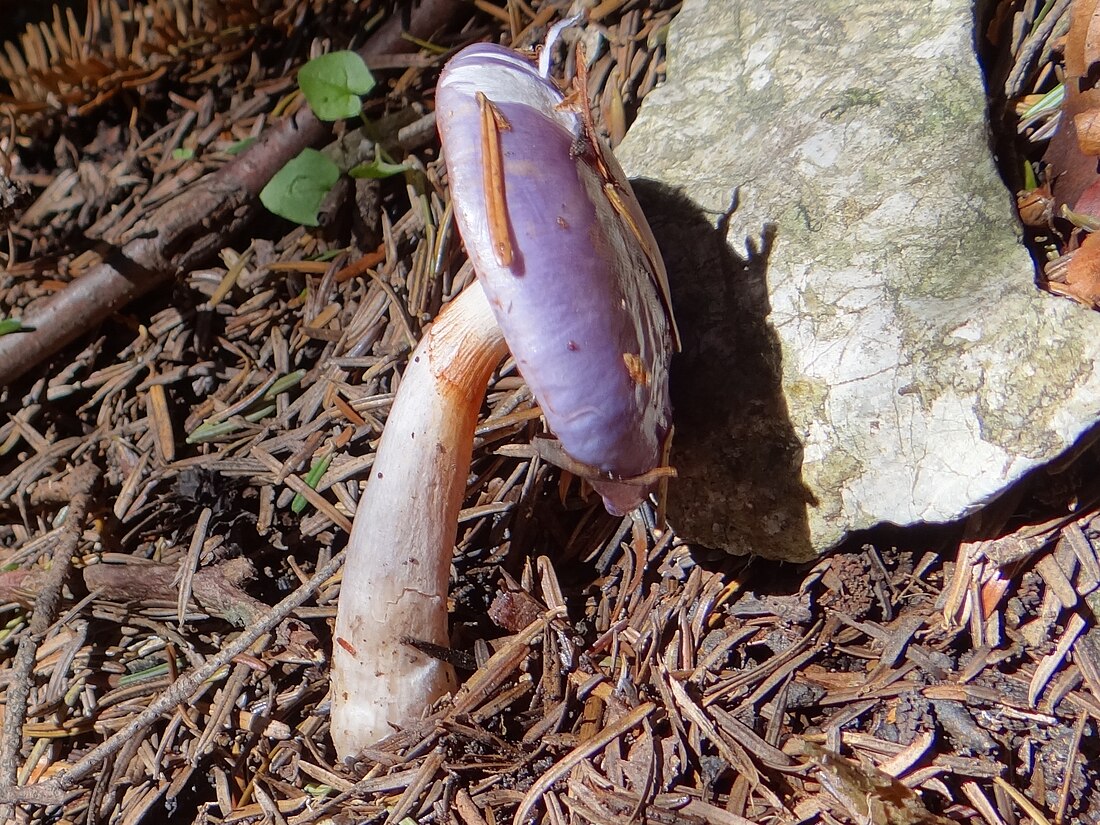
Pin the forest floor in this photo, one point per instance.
(184, 435)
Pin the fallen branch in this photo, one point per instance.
(217, 589)
(188, 230)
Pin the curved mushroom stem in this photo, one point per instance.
(399, 555)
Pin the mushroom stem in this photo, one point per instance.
(399, 555)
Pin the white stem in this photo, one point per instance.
(399, 555)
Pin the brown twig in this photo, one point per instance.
(190, 228)
(180, 234)
(216, 589)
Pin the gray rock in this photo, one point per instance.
(864, 342)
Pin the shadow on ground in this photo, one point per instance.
(739, 462)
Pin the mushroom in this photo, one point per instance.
(569, 275)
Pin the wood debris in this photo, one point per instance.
(167, 605)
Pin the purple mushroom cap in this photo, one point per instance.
(570, 267)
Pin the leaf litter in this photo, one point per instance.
(178, 485)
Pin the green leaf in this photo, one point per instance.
(330, 254)
(239, 146)
(297, 190)
(183, 154)
(312, 479)
(284, 383)
(333, 82)
(9, 325)
(377, 168)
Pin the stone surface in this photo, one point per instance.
(864, 342)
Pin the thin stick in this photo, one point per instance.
(1071, 759)
(53, 791)
(82, 480)
(578, 754)
(186, 575)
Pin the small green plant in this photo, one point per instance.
(297, 190)
(333, 85)
(239, 146)
(312, 479)
(377, 168)
(10, 325)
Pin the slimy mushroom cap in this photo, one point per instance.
(567, 261)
